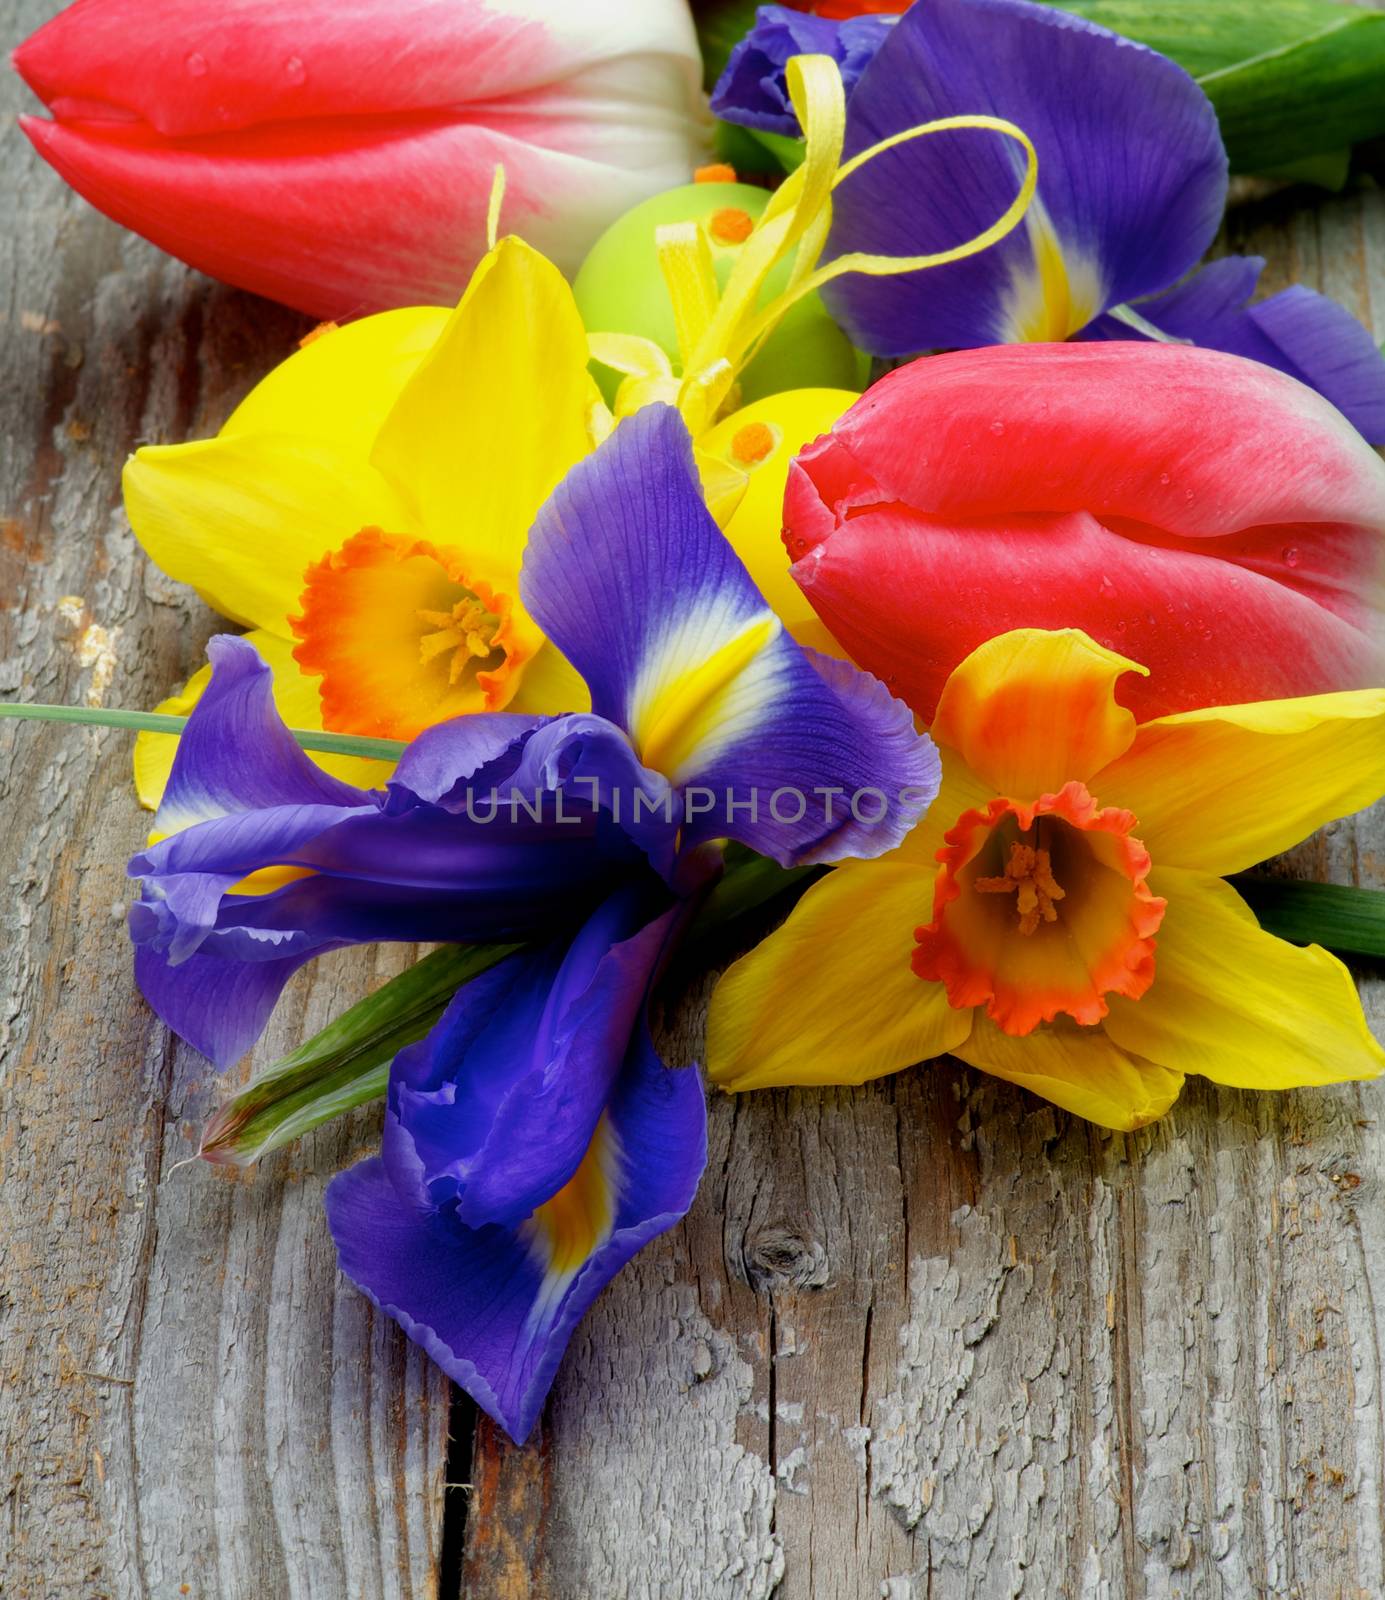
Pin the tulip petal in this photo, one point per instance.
(295, 699)
(496, 412)
(1079, 1068)
(495, 1306)
(627, 573)
(1030, 711)
(1139, 142)
(283, 61)
(341, 384)
(1221, 789)
(341, 159)
(1080, 486)
(1297, 331)
(1239, 1006)
(242, 517)
(341, 216)
(831, 997)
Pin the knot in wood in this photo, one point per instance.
(780, 1257)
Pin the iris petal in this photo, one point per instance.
(496, 1306)
(629, 576)
(1132, 176)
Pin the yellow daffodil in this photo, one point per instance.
(364, 511)
(1059, 917)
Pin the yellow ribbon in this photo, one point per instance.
(720, 331)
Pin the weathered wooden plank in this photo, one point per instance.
(192, 1401)
(928, 1337)
(932, 1337)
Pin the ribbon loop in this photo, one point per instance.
(720, 331)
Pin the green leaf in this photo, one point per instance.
(1349, 921)
(339, 744)
(1288, 78)
(347, 1064)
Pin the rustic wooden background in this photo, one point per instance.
(925, 1338)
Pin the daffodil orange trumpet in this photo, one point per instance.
(1059, 917)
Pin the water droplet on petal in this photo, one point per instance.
(997, 428)
(294, 70)
(1292, 555)
(196, 65)
(1163, 477)
(1106, 588)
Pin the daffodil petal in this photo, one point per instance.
(961, 791)
(296, 698)
(1239, 1006)
(1031, 710)
(551, 685)
(342, 384)
(497, 412)
(1079, 1068)
(241, 517)
(1223, 788)
(831, 997)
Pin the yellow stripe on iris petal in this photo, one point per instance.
(686, 716)
(1056, 294)
(565, 1232)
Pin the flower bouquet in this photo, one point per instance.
(897, 530)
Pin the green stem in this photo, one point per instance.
(347, 1064)
(336, 744)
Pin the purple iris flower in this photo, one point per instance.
(753, 89)
(534, 1140)
(1132, 187)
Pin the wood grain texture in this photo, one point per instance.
(926, 1338)
(192, 1401)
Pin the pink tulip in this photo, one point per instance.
(1202, 514)
(338, 155)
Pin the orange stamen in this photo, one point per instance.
(731, 225)
(715, 172)
(1029, 875)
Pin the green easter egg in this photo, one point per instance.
(620, 289)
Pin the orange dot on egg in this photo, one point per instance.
(715, 172)
(731, 226)
(752, 443)
(314, 334)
